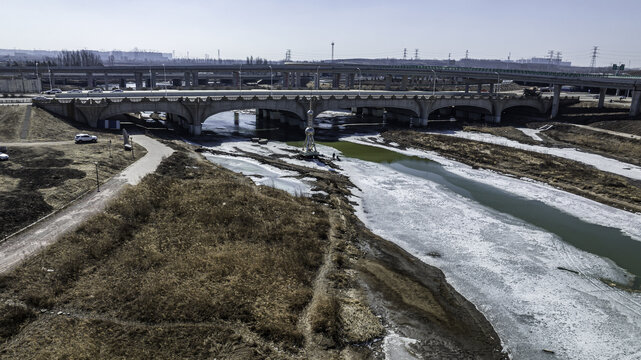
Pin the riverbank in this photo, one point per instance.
(571, 176)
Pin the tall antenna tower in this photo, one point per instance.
(405, 54)
(415, 54)
(288, 55)
(595, 52)
(332, 51)
(467, 54)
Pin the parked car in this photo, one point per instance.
(83, 138)
(4, 157)
(53, 91)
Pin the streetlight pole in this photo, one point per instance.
(37, 76)
(97, 181)
(360, 77)
(240, 80)
(50, 83)
(433, 82)
(271, 80)
(165, 72)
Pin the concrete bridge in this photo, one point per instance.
(191, 112)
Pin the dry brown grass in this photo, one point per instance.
(192, 246)
(45, 178)
(11, 117)
(46, 127)
(625, 126)
(627, 150)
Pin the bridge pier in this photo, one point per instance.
(122, 83)
(336, 81)
(467, 88)
(106, 80)
(194, 78)
(317, 81)
(404, 83)
(152, 80)
(635, 106)
(601, 97)
(285, 76)
(388, 82)
(556, 100)
(479, 88)
(90, 80)
(138, 80)
(350, 81)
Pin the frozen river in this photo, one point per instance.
(530, 257)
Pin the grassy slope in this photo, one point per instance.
(627, 150)
(194, 261)
(11, 118)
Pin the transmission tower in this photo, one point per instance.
(415, 54)
(550, 55)
(405, 54)
(558, 57)
(467, 54)
(288, 55)
(595, 52)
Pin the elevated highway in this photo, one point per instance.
(298, 75)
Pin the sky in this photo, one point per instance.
(360, 28)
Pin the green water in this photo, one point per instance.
(600, 240)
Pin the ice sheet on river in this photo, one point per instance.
(506, 267)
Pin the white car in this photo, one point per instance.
(96, 91)
(83, 138)
(4, 157)
(74, 91)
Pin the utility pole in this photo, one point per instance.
(332, 51)
(595, 52)
(415, 54)
(405, 54)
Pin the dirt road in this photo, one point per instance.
(43, 233)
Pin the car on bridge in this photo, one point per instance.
(74, 91)
(96, 91)
(85, 138)
(53, 91)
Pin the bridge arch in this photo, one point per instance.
(451, 111)
(125, 106)
(288, 107)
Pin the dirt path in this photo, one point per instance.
(25, 123)
(38, 143)
(44, 232)
(615, 133)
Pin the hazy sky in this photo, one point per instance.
(371, 28)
